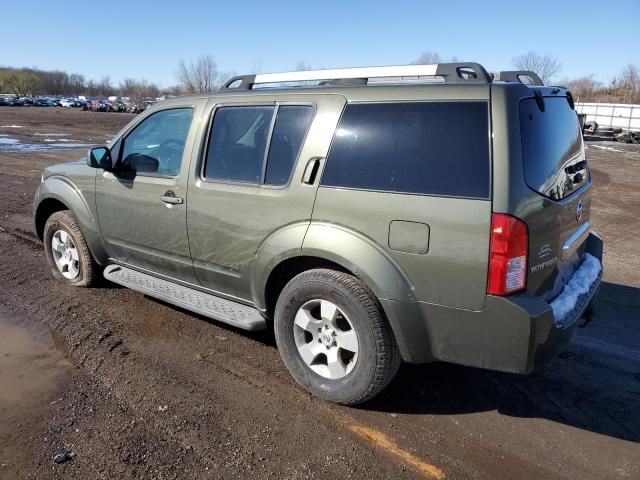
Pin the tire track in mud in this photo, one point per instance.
(132, 373)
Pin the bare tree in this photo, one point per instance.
(546, 66)
(76, 83)
(629, 84)
(257, 65)
(427, 57)
(104, 86)
(584, 88)
(173, 90)
(303, 66)
(22, 83)
(200, 76)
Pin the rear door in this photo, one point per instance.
(558, 179)
(250, 183)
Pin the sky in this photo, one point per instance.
(145, 39)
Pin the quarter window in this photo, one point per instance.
(430, 148)
(156, 145)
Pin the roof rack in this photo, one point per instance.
(526, 77)
(448, 72)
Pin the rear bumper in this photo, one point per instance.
(513, 334)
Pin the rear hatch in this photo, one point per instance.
(555, 168)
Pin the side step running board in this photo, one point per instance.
(226, 311)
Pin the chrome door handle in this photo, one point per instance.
(170, 198)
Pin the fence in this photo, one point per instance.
(620, 115)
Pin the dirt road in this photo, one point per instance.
(139, 389)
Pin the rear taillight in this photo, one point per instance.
(507, 255)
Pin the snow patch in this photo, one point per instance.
(579, 284)
(11, 126)
(51, 134)
(608, 149)
(13, 145)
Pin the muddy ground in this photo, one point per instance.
(138, 389)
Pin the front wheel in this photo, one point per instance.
(334, 338)
(67, 251)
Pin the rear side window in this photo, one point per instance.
(237, 143)
(554, 161)
(243, 138)
(292, 122)
(430, 148)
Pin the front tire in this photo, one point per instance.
(334, 338)
(67, 252)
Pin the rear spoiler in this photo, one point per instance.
(526, 77)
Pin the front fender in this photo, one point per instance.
(75, 199)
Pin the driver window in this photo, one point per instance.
(157, 143)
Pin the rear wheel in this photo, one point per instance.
(333, 337)
(67, 251)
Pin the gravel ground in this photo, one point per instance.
(138, 389)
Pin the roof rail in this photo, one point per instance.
(526, 77)
(449, 72)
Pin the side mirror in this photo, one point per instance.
(100, 157)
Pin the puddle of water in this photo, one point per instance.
(30, 364)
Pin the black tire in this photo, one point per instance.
(88, 269)
(590, 127)
(378, 355)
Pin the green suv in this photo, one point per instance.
(369, 215)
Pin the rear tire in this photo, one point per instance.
(67, 252)
(354, 353)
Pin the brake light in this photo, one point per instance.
(507, 255)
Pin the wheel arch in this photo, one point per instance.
(283, 272)
(338, 248)
(58, 193)
(44, 210)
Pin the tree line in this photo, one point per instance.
(203, 75)
(33, 81)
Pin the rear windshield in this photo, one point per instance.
(554, 161)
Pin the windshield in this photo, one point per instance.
(552, 149)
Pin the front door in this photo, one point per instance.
(254, 182)
(142, 203)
